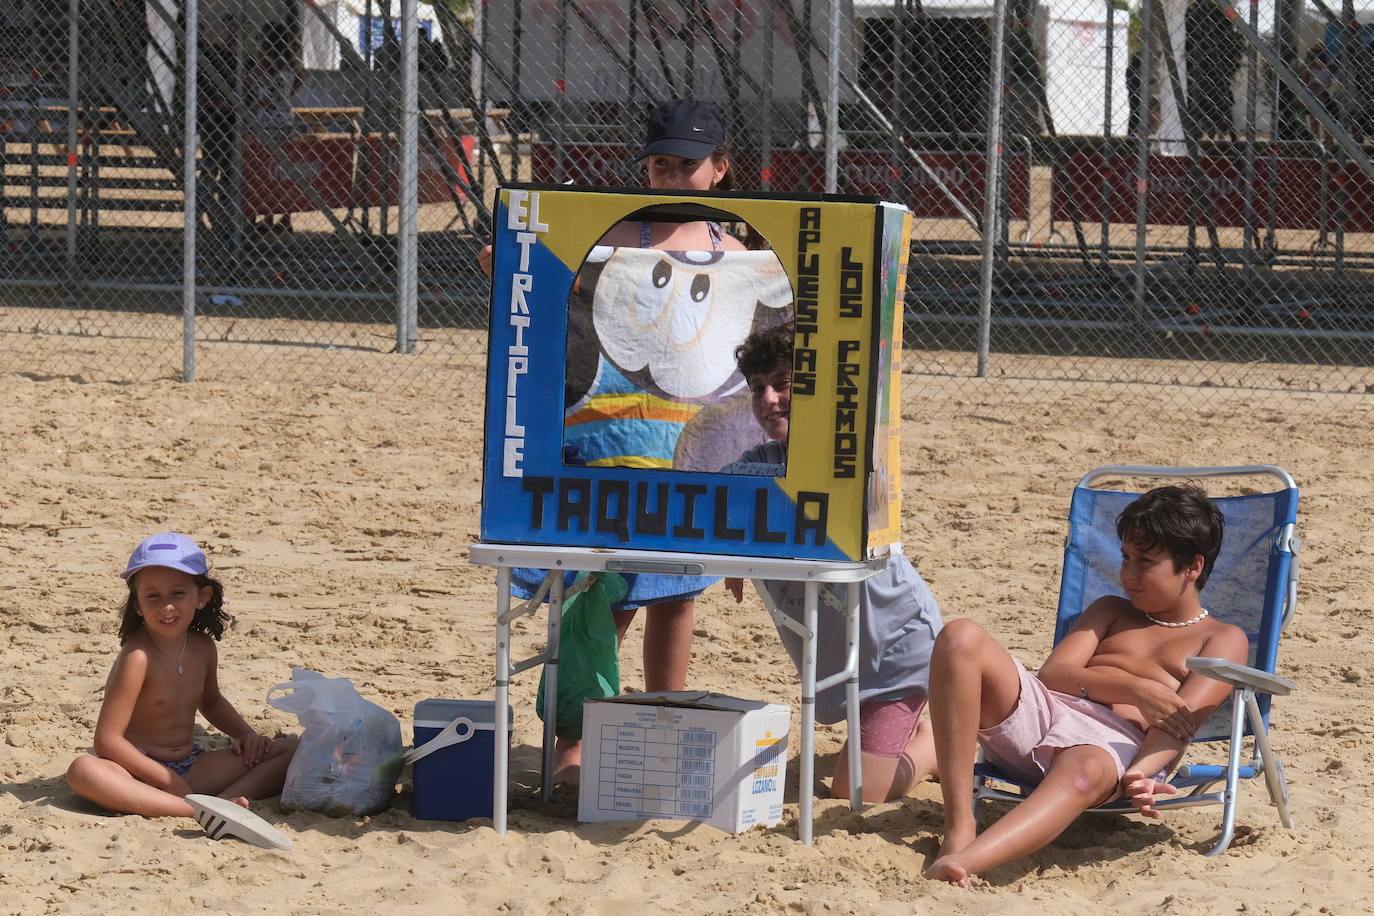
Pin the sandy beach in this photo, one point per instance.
(338, 516)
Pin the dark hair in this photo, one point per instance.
(765, 350)
(1180, 519)
(210, 620)
(727, 181)
(753, 239)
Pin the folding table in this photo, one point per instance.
(560, 559)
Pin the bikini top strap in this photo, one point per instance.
(713, 228)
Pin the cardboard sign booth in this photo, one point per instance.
(616, 417)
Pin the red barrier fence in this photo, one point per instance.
(346, 172)
(1301, 201)
(960, 176)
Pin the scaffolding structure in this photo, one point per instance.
(1179, 226)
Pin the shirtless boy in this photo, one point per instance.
(898, 616)
(1113, 707)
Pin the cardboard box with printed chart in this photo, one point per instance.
(452, 756)
(616, 414)
(686, 755)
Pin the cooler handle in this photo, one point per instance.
(446, 737)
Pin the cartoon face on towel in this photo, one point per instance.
(670, 320)
(651, 340)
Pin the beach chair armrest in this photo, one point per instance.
(1238, 675)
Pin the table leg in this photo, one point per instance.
(851, 696)
(501, 754)
(807, 766)
(555, 632)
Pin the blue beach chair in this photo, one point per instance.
(1253, 585)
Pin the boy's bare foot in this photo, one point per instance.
(947, 868)
(240, 801)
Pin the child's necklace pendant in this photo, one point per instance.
(178, 656)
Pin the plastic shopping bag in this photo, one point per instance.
(588, 656)
(350, 751)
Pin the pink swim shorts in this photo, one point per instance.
(1045, 722)
(885, 726)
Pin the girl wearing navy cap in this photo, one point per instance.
(685, 148)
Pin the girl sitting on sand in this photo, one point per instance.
(145, 760)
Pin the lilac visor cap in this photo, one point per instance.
(174, 551)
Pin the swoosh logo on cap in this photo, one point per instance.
(697, 129)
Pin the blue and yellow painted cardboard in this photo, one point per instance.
(840, 496)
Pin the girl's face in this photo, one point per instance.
(168, 599)
(673, 173)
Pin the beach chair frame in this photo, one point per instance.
(1246, 713)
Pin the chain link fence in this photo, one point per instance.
(1136, 191)
(298, 228)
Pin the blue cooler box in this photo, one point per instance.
(454, 782)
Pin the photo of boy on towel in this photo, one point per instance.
(1112, 708)
(898, 616)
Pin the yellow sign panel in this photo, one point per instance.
(593, 345)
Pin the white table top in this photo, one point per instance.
(672, 563)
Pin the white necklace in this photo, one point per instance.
(180, 670)
(1181, 623)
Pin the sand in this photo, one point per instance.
(339, 516)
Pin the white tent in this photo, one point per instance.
(948, 9)
(1070, 41)
(244, 17)
(320, 47)
(1073, 58)
(540, 41)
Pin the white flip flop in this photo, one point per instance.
(220, 818)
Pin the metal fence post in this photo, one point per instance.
(1248, 244)
(408, 199)
(1142, 175)
(992, 183)
(73, 100)
(766, 141)
(832, 100)
(188, 253)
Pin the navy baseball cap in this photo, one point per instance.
(683, 127)
(174, 551)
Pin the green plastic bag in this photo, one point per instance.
(588, 655)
